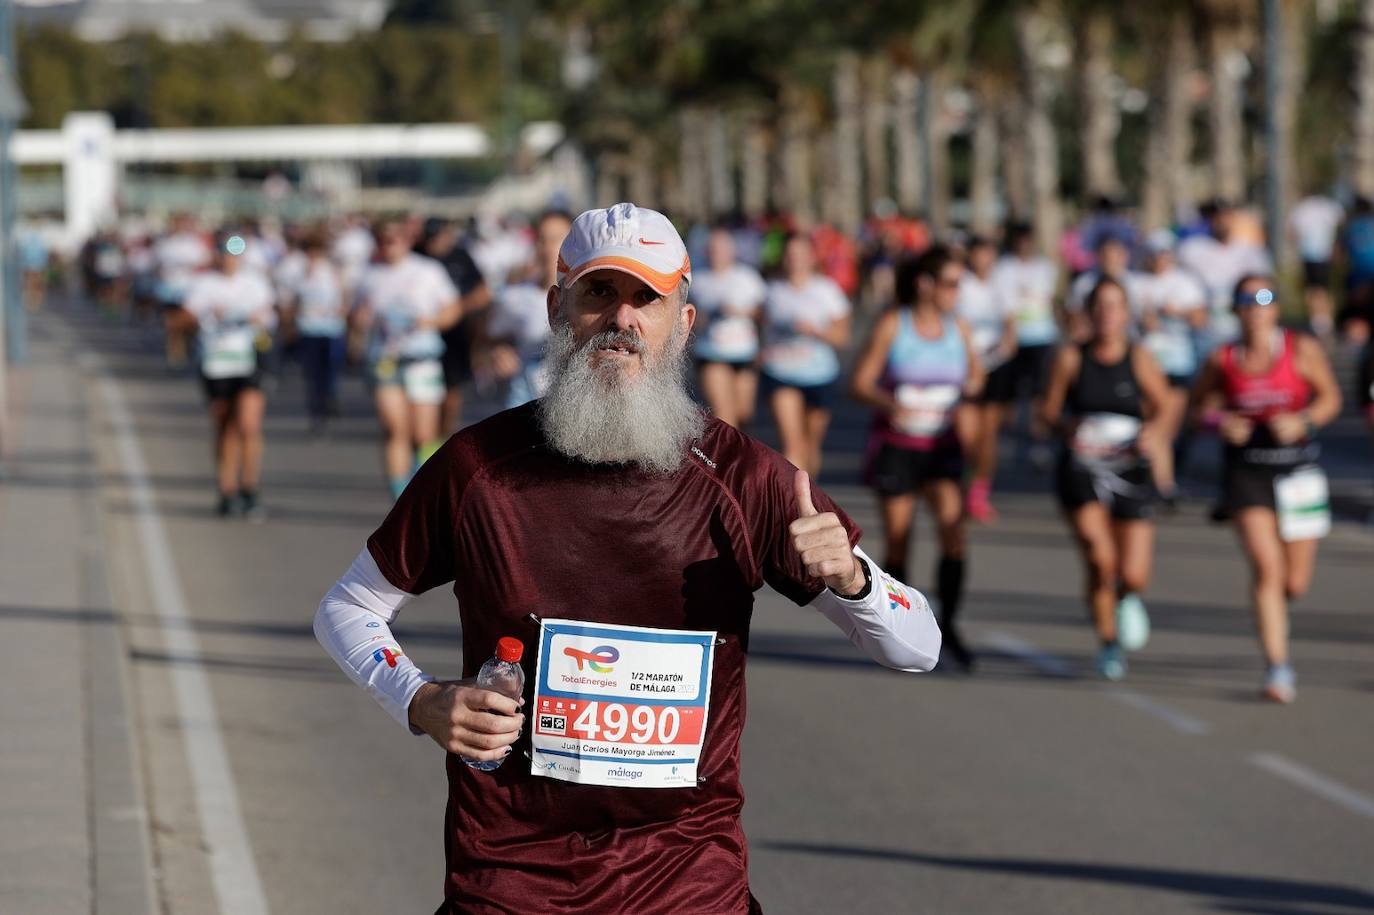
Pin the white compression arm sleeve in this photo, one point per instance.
(351, 624)
(893, 624)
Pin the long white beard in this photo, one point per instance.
(595, 413)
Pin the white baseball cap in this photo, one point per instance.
(631, 239)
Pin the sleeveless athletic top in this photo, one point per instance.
(1101, 388)
(926, 376)
(1106, 399)
(1262, 397)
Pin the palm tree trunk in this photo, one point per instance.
(693, 169)
(754, 168)
(876, 115)
(906, 86)
(846, 145)
(1364, 103)
(719, 163)
(1227, 125)
(935, 130)
(1015, 175)
(1169, 147)
(1292, 34)
(796, 154)
(642, 177)
(1032, 36)
(983, 175)
(1100, 122)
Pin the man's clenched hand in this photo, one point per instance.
(823, 544)
(476, 723)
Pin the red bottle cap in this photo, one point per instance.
(510, 649)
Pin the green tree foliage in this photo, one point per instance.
(400, 74)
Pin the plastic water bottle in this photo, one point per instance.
(501, 674)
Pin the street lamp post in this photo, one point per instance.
(1276, 161)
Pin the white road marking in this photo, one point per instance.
(1184, 724)
(234, 873)
(1047, 664)
(1053, 666)
(1304, 777)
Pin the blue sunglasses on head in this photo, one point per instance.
(1260, 297)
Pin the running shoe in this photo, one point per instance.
(1111, 662)
(249, 507)
(1132, 623)
(976, 504)
(229, 507)
(1280, 684)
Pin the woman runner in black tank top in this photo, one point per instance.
(1101, 396)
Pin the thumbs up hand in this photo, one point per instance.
(823, 544)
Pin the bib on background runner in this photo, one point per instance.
(620, 706)
(1302, 500)
(930, 406)
(733, 337)
(1103, 436)
(423, 381)
(230, 353)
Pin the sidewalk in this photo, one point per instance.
(75, 836)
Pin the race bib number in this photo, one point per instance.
(423, 381)
(929, 408)
(1170, 350)
(1302, 499)
(1033, 308)
(230, 354)
(619, 705)
(1105, 435)
(733, 337)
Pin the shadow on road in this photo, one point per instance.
(1226, 892)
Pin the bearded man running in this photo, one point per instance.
(611, 522)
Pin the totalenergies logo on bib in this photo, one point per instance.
(599, 659)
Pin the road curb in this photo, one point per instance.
(122, 872)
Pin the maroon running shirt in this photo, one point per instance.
(520, 529)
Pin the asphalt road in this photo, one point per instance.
(1027, 787)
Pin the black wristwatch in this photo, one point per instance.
(865, 590)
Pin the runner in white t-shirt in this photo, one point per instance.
(728, 296)
(518, 323)
(1113, 261)
(353, 249)
(994, 338)
(806, 320)
(1028, 284)
(180, 255)
(1171, 309)
(313, 289)
(1313, 225)
(405, 300)
(1221, 260)
(232, 307)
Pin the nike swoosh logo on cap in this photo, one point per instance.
(645, 241)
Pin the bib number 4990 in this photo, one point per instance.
(612, 721)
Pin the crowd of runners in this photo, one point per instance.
(1111, 361)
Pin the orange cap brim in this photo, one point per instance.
(662, 283)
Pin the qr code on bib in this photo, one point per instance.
(553, 723)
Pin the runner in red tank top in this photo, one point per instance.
(1266, 394)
